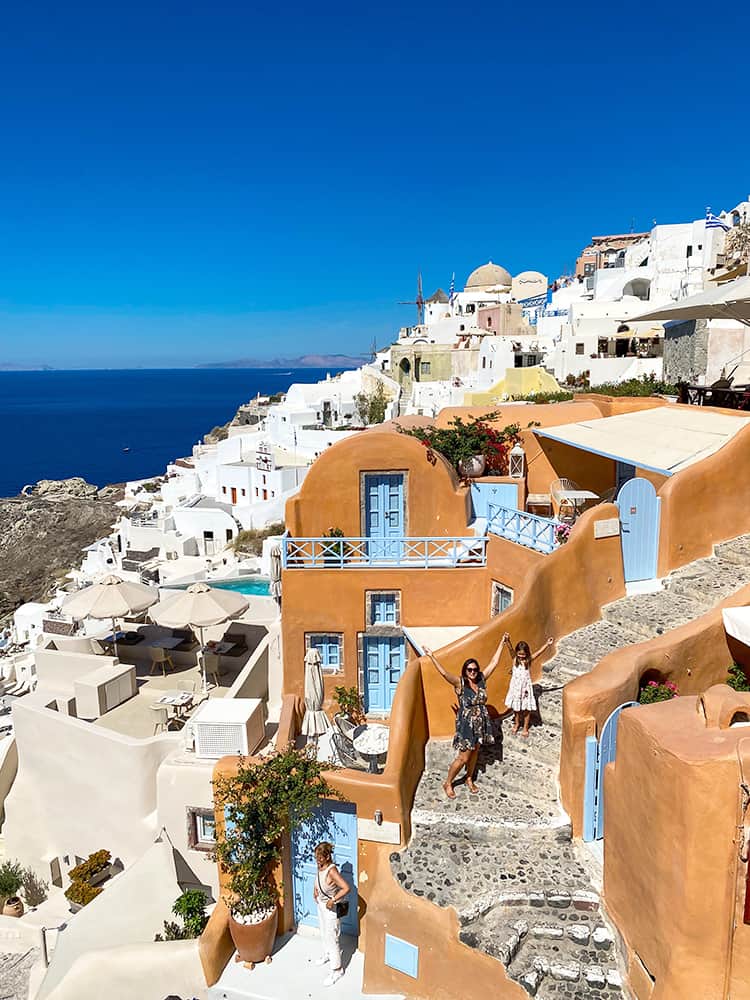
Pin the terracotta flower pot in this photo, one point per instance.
(472, 467)
(254, 942)
(13, 907)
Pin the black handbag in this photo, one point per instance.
(341, 908)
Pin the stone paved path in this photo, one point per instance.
(504, 859)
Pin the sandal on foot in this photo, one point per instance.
(471, 786)
(448, 789)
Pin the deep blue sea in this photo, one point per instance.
(77, 423)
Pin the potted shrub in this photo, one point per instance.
(190, 907)
(262, 802)
(349, 701)
(11, 880)
(471, 446)
(333, 552)
(654, 691)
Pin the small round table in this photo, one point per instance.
(371, 740)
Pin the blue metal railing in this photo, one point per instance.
(526, 529)
(404, 552)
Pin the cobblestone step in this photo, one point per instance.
(736, 550)
(710, 579)
(590, 644)
(654, 614)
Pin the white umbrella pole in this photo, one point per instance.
(203, 662)
(114, 635)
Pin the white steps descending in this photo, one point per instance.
(504, 859)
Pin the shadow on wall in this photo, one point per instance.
(565, 591)
(694, 657)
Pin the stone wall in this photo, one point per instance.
(686, 351)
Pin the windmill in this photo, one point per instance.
(418, 302)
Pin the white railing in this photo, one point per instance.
(526, 529)
(407, 553)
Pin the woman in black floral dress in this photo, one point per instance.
(473, 725)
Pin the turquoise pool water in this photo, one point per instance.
(250, 585)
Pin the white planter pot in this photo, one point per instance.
(472, 467)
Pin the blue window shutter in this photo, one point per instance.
(402, 956)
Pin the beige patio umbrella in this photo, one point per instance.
(110, 598)
(199, 607)
(315, 721)
(729, 301)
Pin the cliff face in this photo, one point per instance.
(42, 535)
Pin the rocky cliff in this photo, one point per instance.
(42, 535)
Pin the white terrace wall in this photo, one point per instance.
(80, 788)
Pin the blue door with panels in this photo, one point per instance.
(384, 515)
(599, 753)
(384, 658)
(639, 509)
(500, 494)
(335, 822)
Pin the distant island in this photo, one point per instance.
(8, 366)
(306, 361)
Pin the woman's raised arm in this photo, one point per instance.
(451, 678)
(496, 658)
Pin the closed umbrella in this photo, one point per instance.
(275, 587)
(199, 607)
(315, 721)
(110, 598)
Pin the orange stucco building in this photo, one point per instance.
(385, 542)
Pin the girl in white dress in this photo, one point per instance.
(520, 698)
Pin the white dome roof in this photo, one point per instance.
(489, 275)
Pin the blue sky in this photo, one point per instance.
(185, 183)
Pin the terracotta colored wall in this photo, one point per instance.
(694, 657)
(447, 968)
(705, 503)
(334, 601)
(672, 875)
(550, 460)
(330, 495)
(564, 591)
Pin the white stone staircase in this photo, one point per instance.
(504, 859)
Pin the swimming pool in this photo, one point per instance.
(259, 585)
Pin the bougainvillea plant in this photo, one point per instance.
(463, 439)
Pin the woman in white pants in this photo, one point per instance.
(329, 889)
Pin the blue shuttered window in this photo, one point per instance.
(328, 644)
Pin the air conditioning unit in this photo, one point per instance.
(228, 726)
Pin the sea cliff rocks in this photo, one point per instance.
(42, 535)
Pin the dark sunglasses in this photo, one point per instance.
(472, 670)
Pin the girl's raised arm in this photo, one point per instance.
(541, 649)
(451, 678)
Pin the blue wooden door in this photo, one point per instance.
(500, 494)
(639, 528)
(384, 515)
(337, 823)
(384, 663)
(607, 752)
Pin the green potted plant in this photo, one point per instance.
(654, 691)
(737, 678)
(261, 803)
(349, 701)
(190, 907)
(333, 552)
(11, 880)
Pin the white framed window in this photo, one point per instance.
(579, 348)
(201, 829)
(330, 646)
(424, 368)
(502, 598)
